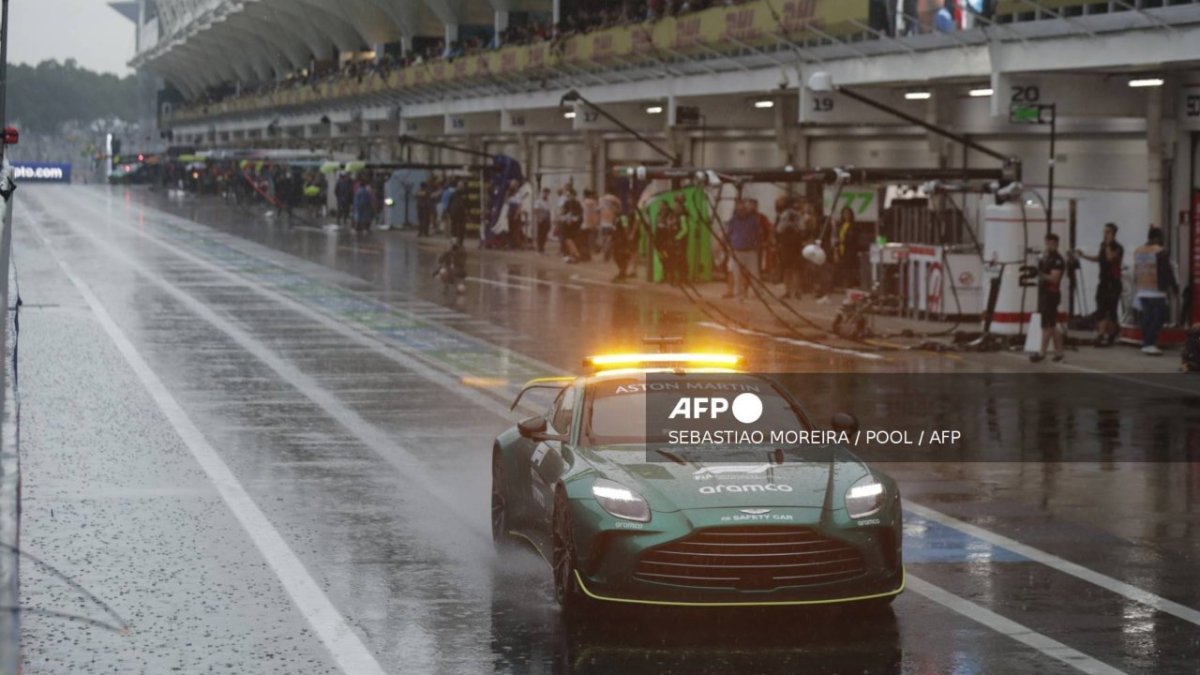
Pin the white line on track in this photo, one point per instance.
(1062, 565)
(445, 376)
(502, 284)
(597, 282)
(382, 443)
(1011, 629)
(350, 654)
(1126, 377)
(545, 282)
(795, 341)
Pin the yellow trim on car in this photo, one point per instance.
(556, 379)
(667, 603)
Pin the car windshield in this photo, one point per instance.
(617, 407)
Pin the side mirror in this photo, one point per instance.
(531, 426)
(844, 421)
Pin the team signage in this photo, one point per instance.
(1021, 96)
(514, 121)
(420, 125)
(588, 119)
(1189, 108)
(473, 123)
(41, 172)
(826, 107)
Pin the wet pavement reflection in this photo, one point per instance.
(357, 401)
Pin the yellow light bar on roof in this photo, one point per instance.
(602, 361)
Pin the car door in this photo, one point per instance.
(546, 462)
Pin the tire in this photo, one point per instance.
(501, 539)
(573, 602)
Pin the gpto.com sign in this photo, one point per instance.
(40, 172)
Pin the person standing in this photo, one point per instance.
(788, 243)
(541, 219)
(810, 229)
(624, 238)
(424, 208)
(685, 229)
(556, 221)
(845, 247)
(516, 218)
(443, 204)
(456, 212)
(768, 263)
(344, 192)
(667, 235)
(572, 220)
(743, 233)
(1153, 278)
(590, 227)
(1108, 291)
(1050, 269)
(610, 210)
(364, 207)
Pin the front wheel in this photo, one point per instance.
(500, 536)
(566, 590)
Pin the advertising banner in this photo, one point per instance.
(42, 172)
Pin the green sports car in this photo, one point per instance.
(625, 515)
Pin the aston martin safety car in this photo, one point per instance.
(624, 516)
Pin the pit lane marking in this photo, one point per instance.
(444, 374)
(1009, 628)
(370, 435)
(794, 341)
(344, 646)
(544, 282)
(502, 284)
(1061, 564)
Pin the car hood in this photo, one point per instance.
(746, 478)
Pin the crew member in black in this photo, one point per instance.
(1050, 270)
(1108, 292)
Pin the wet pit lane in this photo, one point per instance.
(333, 389)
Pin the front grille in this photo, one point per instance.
(751, 558)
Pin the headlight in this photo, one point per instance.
(389, 202)
(865, 497)
(620, 501)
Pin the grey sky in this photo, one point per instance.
(89, 31)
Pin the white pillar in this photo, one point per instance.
(451, 33)
(1154, 157)
(557, 11)
(501, 26)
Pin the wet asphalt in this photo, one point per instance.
(355, 401)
